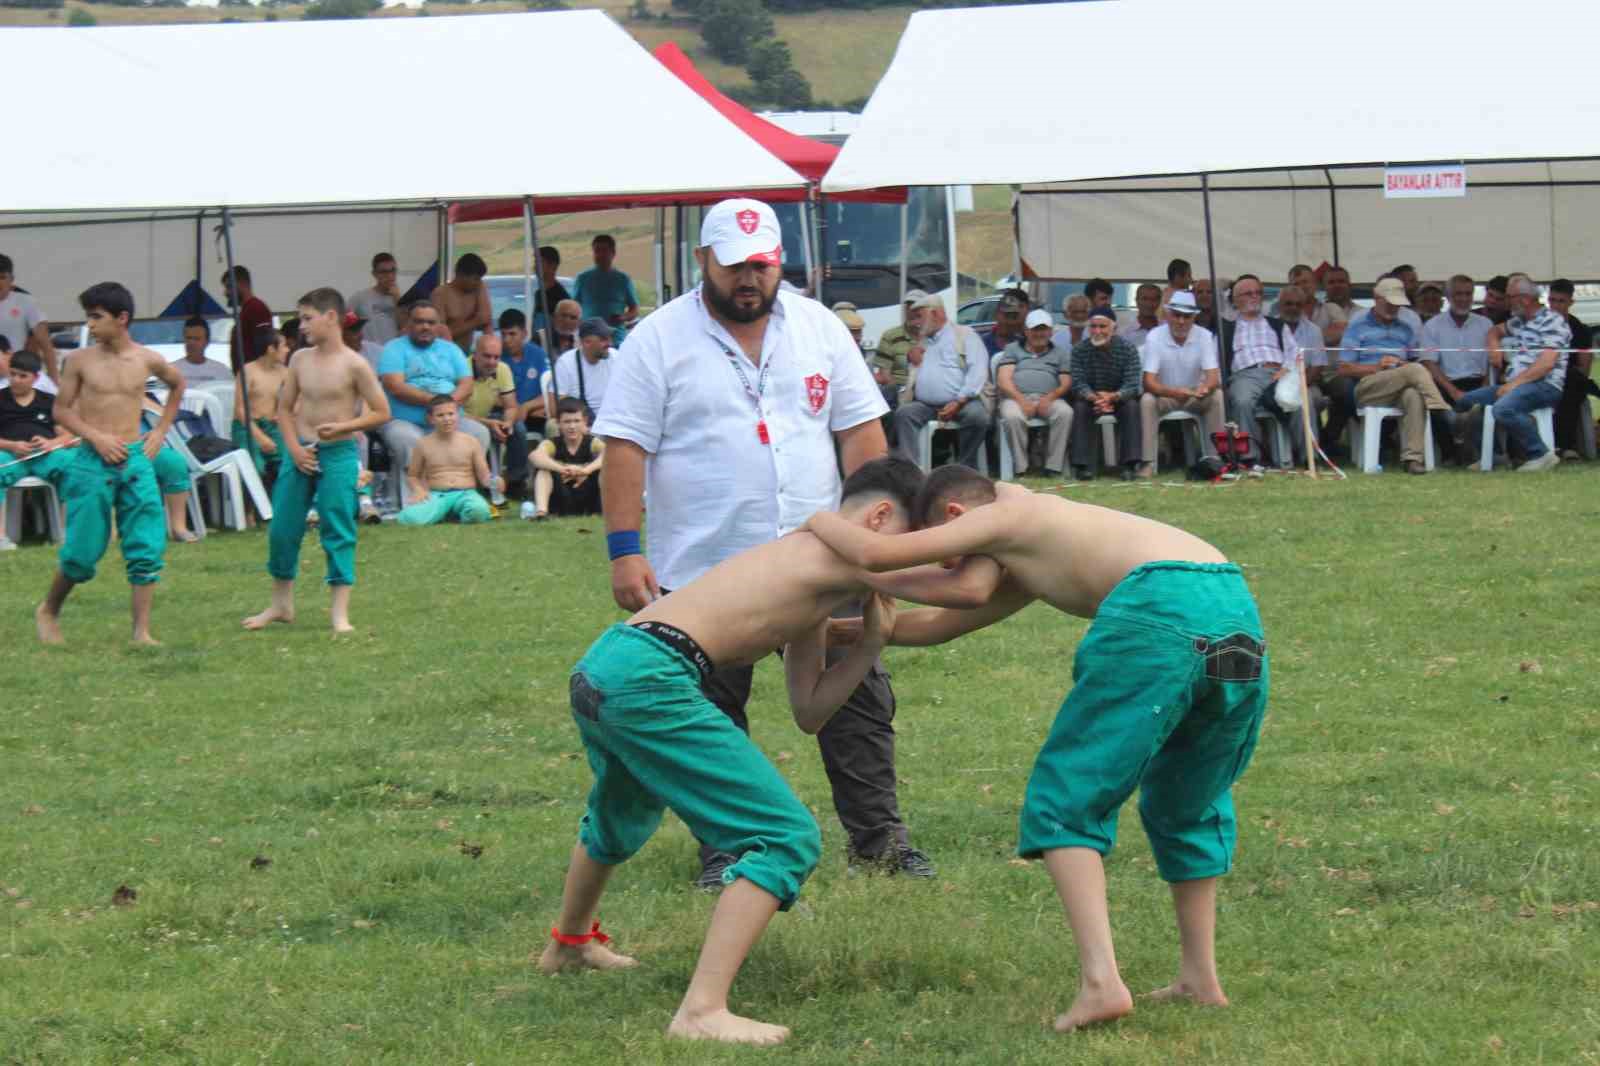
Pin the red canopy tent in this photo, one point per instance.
(810, 159)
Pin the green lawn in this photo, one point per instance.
(1417, 879)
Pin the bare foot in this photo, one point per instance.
(267, 617)
(1096, 1005)
(726, 1026)
(342, 626)
(185, 537)
(1206, 993)
(48, 625)
(591, 956)
(145, 640)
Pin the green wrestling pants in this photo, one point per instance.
(1169, 688)
(333, 492)
(46, 466)
(464, 505)
(247, 441)
(172, 472)
(93, 491)
(654, 741)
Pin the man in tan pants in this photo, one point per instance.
(1375, 355)
(1180, 374)
(1032, 380)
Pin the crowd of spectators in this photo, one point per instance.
(1421, 348)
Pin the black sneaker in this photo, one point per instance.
(1083, 473)
(912, 862)
(710, 879)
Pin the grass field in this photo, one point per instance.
(1416, 880)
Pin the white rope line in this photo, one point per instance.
(42, 451)
(1503, 348)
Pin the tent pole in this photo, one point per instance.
(1211, 267)
(237, 354)
(678, 214)
(819, 224)
(1333, 211)
(199, 258)
(531, 220)
(905, 254)
(657, 262)
(527, 266)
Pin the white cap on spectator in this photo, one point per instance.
(1392, 291)
(1182, 303)
(927, 300)
(913, 296)
(742, 231)
(1039, 317)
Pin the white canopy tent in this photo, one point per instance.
(1214, 90)
(136, 112)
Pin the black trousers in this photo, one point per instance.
(1573, 410)
(1130, 437)
(857, 748)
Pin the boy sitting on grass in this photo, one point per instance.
(568, 465)
(1169, 686)
(445, 471)
(655, 741)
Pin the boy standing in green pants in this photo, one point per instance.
(102, 390)
(655, 741)
(1169, 687)
(324, 388)
(446, 469)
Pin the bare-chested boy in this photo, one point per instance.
(446, 469)
(323, 391)
(1169, 687)
(263, 381)
(655, 741)
(102, 388)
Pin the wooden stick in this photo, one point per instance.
(1306, 419)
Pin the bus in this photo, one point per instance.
(862, 244)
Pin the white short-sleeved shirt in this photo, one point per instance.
(1181, 366)
(1441, 331)
(19, 314)
(596, 377)
(715, 490)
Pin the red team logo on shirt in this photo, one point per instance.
(816, 392)
(748, 220)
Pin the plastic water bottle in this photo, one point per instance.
(526, 511)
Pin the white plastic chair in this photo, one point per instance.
(204, 402)
(15, 497)
(222, 391)
(237, 473)
(1367, 433)
(1193, 440)
(925, 447)
(1008, 463)
(1544, 418)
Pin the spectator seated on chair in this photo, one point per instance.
(31, 444)
(194, 366)
(1032, 380)
(1179, 361)
(1574, 422)
(415, 367)
(1105, 381)
(951, 368)
(261, 381)
(1532, 350)
(528, 363)
(172, 477)
(1313, 355)
(1455, 352)
(568, 477)
(447, 467)
(493, 404)
(1257, 350)
(1375, 371)
(891, 370)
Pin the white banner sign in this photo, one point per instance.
(1405, 183)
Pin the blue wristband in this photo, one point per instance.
(623, 542)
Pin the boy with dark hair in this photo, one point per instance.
(446, 469)
(568, 465)
(326, 386)
(263, 381)
(655, 741)
(1169, 688)
(463, 301)
(528, 363)
(102, 389)
(253, 314)
(31, 445)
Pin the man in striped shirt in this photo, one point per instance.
(1533, 353)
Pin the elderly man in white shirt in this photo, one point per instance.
(1455, 350)
(1257, 350)
(727, 405)
(1179, 360)
(952, 367)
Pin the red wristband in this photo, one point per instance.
(580, 939)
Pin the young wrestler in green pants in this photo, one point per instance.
(655, 741)
(322, 391)
(102, 389)
(264, 380)
(1169, 686)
